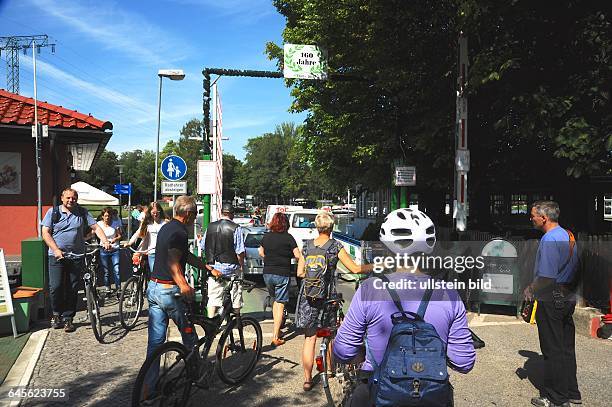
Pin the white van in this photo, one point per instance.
(272, 209)
(302, 225)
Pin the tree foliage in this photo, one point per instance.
(103, 174)
(274, 169)
(539, 87)
(189, 150)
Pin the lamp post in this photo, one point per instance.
(120, 167)
(175, 75)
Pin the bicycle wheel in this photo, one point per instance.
(163, 379)
(341, 381)
(93, 311)
(238, 350)
(130, 303)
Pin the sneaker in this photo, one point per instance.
(56, 322)
(109, 293)
(69, 326)
(545, 402)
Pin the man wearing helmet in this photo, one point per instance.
(406, 232)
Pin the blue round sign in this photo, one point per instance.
(173, 168)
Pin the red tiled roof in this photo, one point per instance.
(19, 110)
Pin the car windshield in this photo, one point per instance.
(253, 240)
(304, 220)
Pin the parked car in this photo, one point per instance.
(253, 263)
(247, 221)
(301, 225)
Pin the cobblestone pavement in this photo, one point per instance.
(506, 372)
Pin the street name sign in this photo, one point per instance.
(174, 187)
(304, 62)
(122, 189)
(173, 168)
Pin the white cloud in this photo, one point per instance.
(249, 11)
(110, 96)
(116, 29)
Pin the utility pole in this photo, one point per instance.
(462, 154)
(12, 45)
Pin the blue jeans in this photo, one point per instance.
(278, 287)
(110, 261)
(162, 306)
(151, 259)
(64, 276)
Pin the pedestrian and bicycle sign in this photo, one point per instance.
(173, 168)
(122, 189)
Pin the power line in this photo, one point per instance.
(13, 45)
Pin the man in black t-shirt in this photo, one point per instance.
(168, 277)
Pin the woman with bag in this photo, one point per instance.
(277, 249)
(317, 266)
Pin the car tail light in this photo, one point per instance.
(319, 362)
(323, 332)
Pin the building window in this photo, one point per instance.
(497, 204)
(542, 197)
(518, 204)
(608, 207)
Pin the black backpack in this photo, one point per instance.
(79, 211)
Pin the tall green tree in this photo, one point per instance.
(138, 169)
(103, 174)
(190, 150)
(539, 87)
(233, 177)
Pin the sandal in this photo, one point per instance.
(307, 386)
(277, 342)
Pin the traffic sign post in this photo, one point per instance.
(125, 189)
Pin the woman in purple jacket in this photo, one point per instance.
(372, 306)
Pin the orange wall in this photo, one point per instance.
(18, 223)
(18, 212)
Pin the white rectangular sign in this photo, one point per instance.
(405, 176)
(500, 283)
(6, 301)
(304, 62)
(207, 177)
(174, 187)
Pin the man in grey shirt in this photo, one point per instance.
(62, 235)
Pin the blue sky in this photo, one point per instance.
(108, 54)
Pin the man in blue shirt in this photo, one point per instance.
(223, 244)
(554, 271)
(66, 234)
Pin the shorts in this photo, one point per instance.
(215, 293)
(278, 287)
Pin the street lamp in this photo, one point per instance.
(175, 75)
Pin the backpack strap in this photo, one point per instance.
(424, 303)
(392, 293)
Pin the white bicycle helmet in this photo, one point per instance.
(408, 231)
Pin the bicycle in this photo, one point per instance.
(180, 369)
(93, 299)
(133, 293)
(338, 379)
